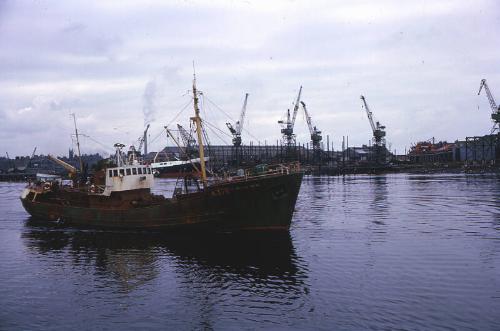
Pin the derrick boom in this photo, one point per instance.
(67, 166)
(187, 139)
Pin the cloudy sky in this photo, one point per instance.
(118, 65)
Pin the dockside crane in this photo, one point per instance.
(378, 134)
(315, 133)
(187, 139)
(287, 126)
(143, 141)
(238, 127)
(495, 115)
(377, 128)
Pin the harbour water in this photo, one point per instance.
(406, 252)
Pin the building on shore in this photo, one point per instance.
(475, 150)
(478, 150)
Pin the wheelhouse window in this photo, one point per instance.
(115, 173)
(134, 171)
(139, 170)
(111, 173)
(127, 171)
(149, 170)
(122, 172)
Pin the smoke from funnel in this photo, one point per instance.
(154, 92)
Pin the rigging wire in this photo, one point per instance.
(180, 112)
(212, 129)
(219, 108)
(216, 128)
(106, 148)
(157, 136)
(251, 135)
(170, 123)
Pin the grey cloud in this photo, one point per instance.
(420, 71)
(74, 28)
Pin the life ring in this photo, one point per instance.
(46, 186)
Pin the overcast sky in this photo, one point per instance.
(117, 65)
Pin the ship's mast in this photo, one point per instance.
(78, 143)
(197, 120)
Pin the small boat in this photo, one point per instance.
(119, 196)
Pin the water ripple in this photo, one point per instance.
(413, 252)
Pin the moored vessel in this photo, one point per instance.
(119, 196)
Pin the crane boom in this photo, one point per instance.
(295, 109)
(287, 126)
(495, 115)
(239, 124)
(315, 133)
(143, 141)
(238, 127)
(377, 128)
(187, 139)
(231, 128)
(493, 104)
(67, 166)
(369, 113)
(183, 150)
(308, 118)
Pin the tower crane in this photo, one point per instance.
(377, 128)
(187, 139)
(495, 115)
(236, 129)
(315, 133)
(287, 126)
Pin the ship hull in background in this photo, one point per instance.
(176, 169)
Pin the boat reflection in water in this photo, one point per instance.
(136, 259)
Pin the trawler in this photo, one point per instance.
(119, 196)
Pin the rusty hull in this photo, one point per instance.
(260, 203)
